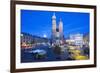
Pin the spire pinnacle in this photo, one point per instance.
(54, 16)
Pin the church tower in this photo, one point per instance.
(53, 24)
(61, 28)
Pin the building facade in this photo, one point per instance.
(77, 38)
(57, 31)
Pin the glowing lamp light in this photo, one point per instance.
(44, 35)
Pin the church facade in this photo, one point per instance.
(57, 31)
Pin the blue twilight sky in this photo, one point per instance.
(40, 22)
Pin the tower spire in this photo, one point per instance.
(54, 16)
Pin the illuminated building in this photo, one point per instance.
(57, 31)
(77, 38)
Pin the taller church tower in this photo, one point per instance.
(53, 24)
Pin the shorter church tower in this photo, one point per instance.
(61, 28)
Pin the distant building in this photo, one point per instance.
(31, 39)
(57, 31)
(86, 40)
(26, 38)
(77, 38)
